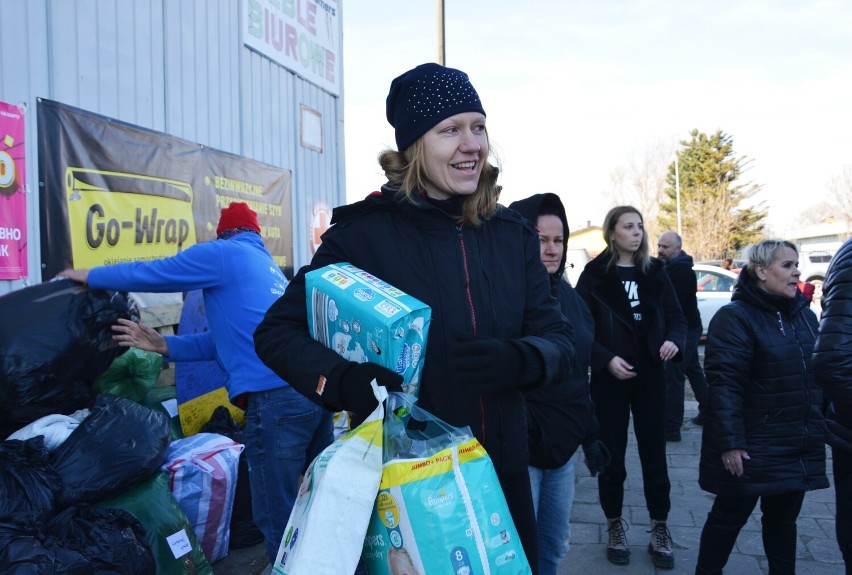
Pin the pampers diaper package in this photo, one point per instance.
(365, 319)
(440, 508)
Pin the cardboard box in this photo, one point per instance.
(365, 319)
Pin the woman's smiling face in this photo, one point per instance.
(454, 152)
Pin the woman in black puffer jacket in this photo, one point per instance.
(833, 372)
(765, 429)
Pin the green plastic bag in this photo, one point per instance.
(166, 526)
(154, 400)
(131, 375)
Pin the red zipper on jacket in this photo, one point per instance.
(472, 318)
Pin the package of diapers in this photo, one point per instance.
(365, 319)
(440, 508)
(326, 528)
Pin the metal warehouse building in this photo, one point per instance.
(259, 82)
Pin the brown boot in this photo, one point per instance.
(660, 546)
(616, 548)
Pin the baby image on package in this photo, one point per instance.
(365, 319)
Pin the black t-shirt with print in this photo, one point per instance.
(627, 276)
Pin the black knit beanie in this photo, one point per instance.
(426, 95)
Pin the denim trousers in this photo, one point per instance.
(553, 497)
(726, 519)
(284, 432)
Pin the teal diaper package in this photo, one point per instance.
(440, 508)
(365, 319)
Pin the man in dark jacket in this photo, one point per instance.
(832, 366)
(679, 267)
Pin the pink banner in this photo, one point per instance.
(13, 198)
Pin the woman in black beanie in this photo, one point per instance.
(436, 232)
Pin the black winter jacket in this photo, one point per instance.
(561, 416)
(832, 359)
(685, 284)
(615, 330)
(762, 395)
(488, 281)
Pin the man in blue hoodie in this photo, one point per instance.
(239, 281)
(679, 267)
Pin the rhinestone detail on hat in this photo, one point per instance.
(443, 90)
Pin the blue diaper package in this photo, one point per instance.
(365, 319)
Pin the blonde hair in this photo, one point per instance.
(642, 256)
(763, 254)
(407, 172)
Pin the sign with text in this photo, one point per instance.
(113, 192)
(13, 195)
(301, 35)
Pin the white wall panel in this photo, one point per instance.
(174, 66)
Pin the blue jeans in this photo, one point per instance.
(284, 432)
(553, 496)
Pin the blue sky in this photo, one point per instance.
(574, 88)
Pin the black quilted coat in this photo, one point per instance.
(763, 397)
(487, 281)
(832, 360)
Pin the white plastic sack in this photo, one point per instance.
(326, 529)
(55, 428)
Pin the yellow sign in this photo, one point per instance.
(117, 217)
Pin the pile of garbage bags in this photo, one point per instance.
(95, 474)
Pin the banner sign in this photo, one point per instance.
(113, 192)
(13, 195)
(301, 35)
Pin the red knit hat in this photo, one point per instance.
(237, 215)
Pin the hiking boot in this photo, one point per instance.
(660, 546)
(616, 548)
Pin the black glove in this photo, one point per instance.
(596, 456)
(485, 364)
(354, 390)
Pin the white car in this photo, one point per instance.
(715, 286)
(575, 263)
(812, 266)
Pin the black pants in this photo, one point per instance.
(843, 495)
(645, 397)
(676, 374)
(728, 516)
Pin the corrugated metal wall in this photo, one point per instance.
(175, 66)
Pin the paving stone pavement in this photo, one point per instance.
(816, 551)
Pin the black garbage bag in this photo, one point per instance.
(81, 540)
(244, 533)
(55, 339)
(173, 541)
(120, 444)
(28, 481)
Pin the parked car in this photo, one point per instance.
(735, 266)
(812, 266)
(575, 262)
(715, 286)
